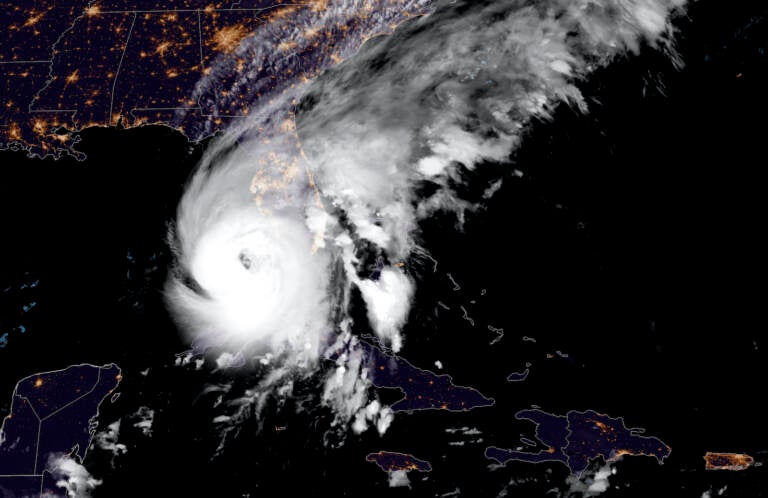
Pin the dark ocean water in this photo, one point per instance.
(632, 249)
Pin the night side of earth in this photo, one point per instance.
(728, 461)
(71, 66)
(370, 248)
(577, 438)
(422, 389)
(390, 461)
(53, 415)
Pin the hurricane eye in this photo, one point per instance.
(245, 260)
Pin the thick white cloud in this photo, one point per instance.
(388, 301)
(247, 272)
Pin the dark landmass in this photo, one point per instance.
(21, 487)
(389, 461)
(69, 66)
(519, 376)
(423, 390)
(728, 461)
(579, 437)
(83, 64)
(52, 413)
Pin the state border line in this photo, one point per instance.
(117, 72)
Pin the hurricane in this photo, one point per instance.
(248, 275)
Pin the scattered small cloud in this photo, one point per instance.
(143, 419)
(346, 392)
(107, 440)
(590, 483)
